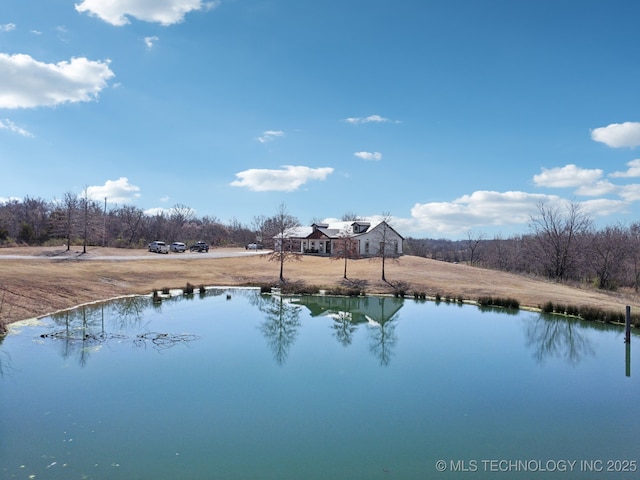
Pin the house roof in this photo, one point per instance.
(332, 229)
(318, 234)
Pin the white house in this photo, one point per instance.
(359, 238)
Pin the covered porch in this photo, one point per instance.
(317, 244)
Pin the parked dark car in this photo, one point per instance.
(199, 247)
(254, 246)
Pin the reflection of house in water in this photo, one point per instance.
(376, 310)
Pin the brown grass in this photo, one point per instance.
(36, 287)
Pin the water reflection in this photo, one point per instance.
(86, 329)
(118, 314)
(502, 310)
(377, 374)
(82, 331)
(627, 359)
(4, 358)
(162, 341)
(379, 314)
(280, 326)
(129, 311)
(383, 340)
(343, 328)
(554, 336)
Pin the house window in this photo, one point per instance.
(366, 246)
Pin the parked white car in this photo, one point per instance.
(178, 247)
(158, 247)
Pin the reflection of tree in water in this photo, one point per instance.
(382, 328)
(553, 336)
(379, 313)
(5, 360)
(83, 333)
(162, 341)
(383, 340)
(343, 327)
(83, 328)
(280, 327)
(128, 311)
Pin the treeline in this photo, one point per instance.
(562, 245)
(81, 221)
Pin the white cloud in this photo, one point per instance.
(618, 135)
(369, 155)
(288, 179)
(603, 207)
(567, 176)
(27, 83)
(481, 208)
(498, 209)
(632, 171)
(152, 212)
(270, 135)
(115, 191)
(164, 12)
(150, 41)
(7, 27)
(597, 189)
(369, 119)
(7, 124)
(630, 193)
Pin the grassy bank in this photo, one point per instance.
(53, 280)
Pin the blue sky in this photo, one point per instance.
(452, 116)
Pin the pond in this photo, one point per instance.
(234, 384)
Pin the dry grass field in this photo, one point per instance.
(53, 279)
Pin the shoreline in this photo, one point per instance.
(36, 286)
(16, 325)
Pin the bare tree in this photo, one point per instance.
(240, 234)
(62, 222)
(70, 204)
(351, 217)
(608, 252)
(346, 247)
(473, 243)
(157, 226)
(32, 219)
(91, 219)
(281, 223)
(384, 245)
(258, 224)
(634, 253)
(179, 215)
(555, 237)
(213, 230)
(131, 219)
(85, 203)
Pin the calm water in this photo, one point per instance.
(236, 385)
